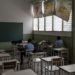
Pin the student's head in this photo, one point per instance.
(29, 40)
(58, 37)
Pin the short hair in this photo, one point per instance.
(29, 40)
(58, 37)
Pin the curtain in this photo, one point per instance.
(37, 9)
(63, 8)
(49, 7)
(60, 8)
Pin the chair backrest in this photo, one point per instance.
(9, 65)
(39, 55)
(57, 61)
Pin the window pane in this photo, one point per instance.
(57, 24)
(67, 26)
(35, 24)
(49, 23)
(41, 24)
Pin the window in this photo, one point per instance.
(48, 23)
(67, 26)
(57, 24)
(41, 24)
(52, 23)
(35, 23)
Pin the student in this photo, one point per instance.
(29, 47)
(59, 42)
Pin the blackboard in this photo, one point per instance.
(11, 31)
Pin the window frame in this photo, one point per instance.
(52, 25)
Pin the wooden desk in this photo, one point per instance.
(38, 54)
(22, 72)
(22, 44)
(18, 63)
(47, 60)
(4, 56)
(63, 52)
(69, 69)
(59, 50)
(2, 50)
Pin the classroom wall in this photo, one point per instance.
(16, 11)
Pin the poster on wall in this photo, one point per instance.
(63, 8)
(49, 7)
(37, 9)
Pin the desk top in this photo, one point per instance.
(38, 53)
(2, 50)
(22, 72)
(50, 46)
(59, 49)
(4, 54)
(68, 68)
(36, 60)
(21, 44)
(47, 59)
(1, 62)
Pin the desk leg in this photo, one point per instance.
(18, 66)
(41, 67)
(70, 74)
(59, 53)
(59, 71)
(51, 51)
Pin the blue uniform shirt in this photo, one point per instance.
(59, 43)
(29, 47)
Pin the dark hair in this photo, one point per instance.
(58, 37)
(29, 40)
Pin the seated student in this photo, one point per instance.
(29, 47)
(59, 42)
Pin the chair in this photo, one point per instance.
(62, 52)
(9, 65)
(53, 66)
(36, 61)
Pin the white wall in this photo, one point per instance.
(16, 11)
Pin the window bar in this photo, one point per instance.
(44, 23)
